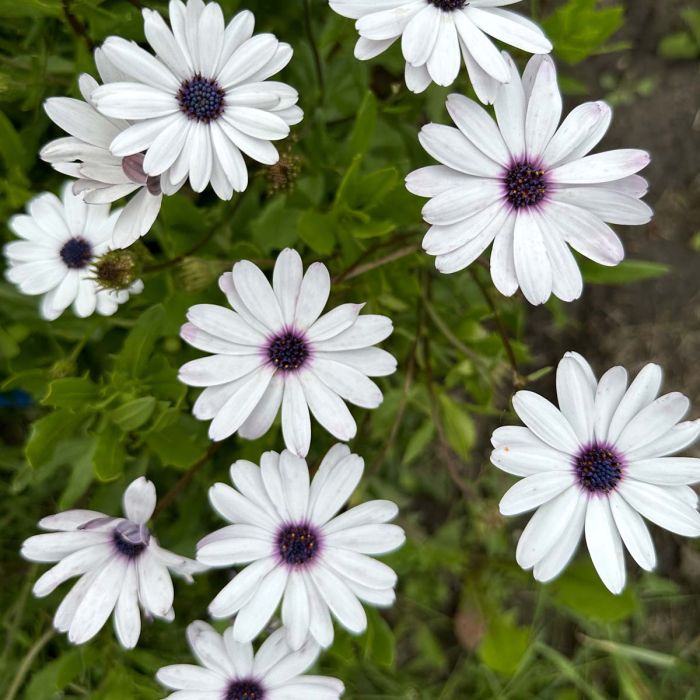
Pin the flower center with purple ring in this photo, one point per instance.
(244, 690)
(201, 99)
(297, 544)
(76, 253)
(131, 539)
(598, 468)
(288, 351)
(526, 185)
(449, 5)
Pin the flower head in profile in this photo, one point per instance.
(598, 465)
(102, 177)
(276, 350)
(437, 35)
(526, 184)
(120, 565)
(203, 100)
(231, 670)
(62, 239)
(297, 549)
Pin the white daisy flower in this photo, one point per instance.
(61, 241)
(437, 34)
(597, 465)
(120, 564)
(85, 154)
(202, 100)
(274, 351)
(232, 671)
(527, 185)
(297, 550)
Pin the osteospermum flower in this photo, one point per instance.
(120, 564)
(297, 549)
(598, 464)
(203, 99)
(62, 239)
(232, 671)
(274, 351)
(85, 155)
(437, 34)
(527, 185)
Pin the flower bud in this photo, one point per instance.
(117, 269)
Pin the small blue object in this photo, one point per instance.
(15, 399)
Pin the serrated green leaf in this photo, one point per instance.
(134, 414)
(48, 432)
(71, 392)
(318, 231)
(110, 453)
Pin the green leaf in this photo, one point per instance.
(418, 442)
(276, 227)
(71, 392)
(180, 444)
(580, 28)
(679, 46)
(137, 349)
(48, 432)
(581, 591)
(134, 414)
(110, 453)
(380, 645)
(365, 125)
(459, 426)
(627, 272)
(318, 231)
(504, 645)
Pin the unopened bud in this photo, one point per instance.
(117, 270)
(199, 273)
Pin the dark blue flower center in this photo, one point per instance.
(297, 544)
(201, 99)
(598, 469)
(244, 690)
(76, 253)
(449, 5)
(288, 351)
(131, 539)
(525, 185)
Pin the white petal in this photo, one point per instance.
(296, 422)
(661, 506)
(605, 545)
(340, 599)
(576, 399)
(543, 109)
(666, 471)
(525, 461)
(607, 204)
(445, 59)
(532, 264)
(545, 421)
(511, 29)
(532, 491)
(263, 415)
(480, 47)
(313, 295)
(294, 476)
(155, 585)
(256, 613)
(510, 109)
(675, 440)
(295, 617)
(140, 500)
(642, 391)
(286, 282)
(127, 616)
(328, 408)
(333, 485)
(611, 389)
(633, 531)
(241, 589)
(601, 167)
(367, 539)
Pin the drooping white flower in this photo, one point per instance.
(297, 549)
(61, 241)
(526, 184)
(202, 100)
(598, 464)
(436, 35)
(120, 565)
(274, 351)
(85, 154)
(232, 671)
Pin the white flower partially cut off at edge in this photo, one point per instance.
(203, 100)
(526, 184)
(598, 465)
(231, 670)
(275, 350)
(61, 239)
(102, 177)
(437, 35)
(120, 564)
(297, 549)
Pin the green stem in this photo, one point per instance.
(27, 662)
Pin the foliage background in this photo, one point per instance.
(99, 403)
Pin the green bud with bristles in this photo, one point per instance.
(117, 269)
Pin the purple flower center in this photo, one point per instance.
(244, 690)
(297, 544)
(598, 468)
(526, 185)
(76, 253)
(201, 99)
(288, 351)
(131, 539)
(449, 5)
